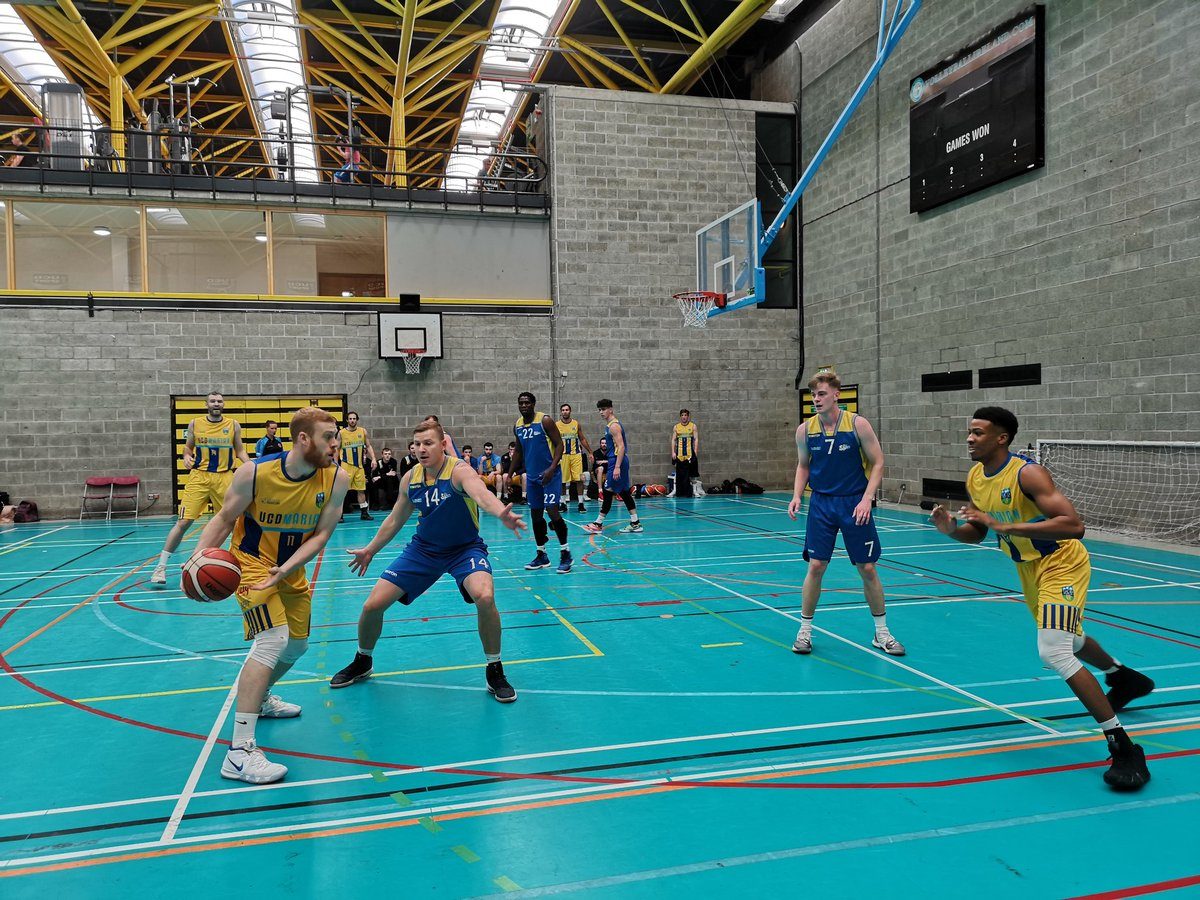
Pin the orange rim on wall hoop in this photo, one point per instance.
(696, 305)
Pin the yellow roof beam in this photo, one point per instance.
(608, 63)
(169, 59)
(182, 34)
(738, 22)
(612, 20)
(661, 19)
(112, 41)
(396, 158)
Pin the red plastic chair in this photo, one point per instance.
(108, 489)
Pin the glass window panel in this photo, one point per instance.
(83, 246)
(318, 254)
(4, 244)
(206, 251)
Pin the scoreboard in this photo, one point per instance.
(978, 117)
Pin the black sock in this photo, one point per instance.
(1118, 740)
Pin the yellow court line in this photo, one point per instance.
(78, 606)
(207, 689)
(596, 651)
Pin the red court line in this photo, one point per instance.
(1143, 889)
(161, 612)
(1161, 637)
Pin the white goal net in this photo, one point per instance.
(1147, 489)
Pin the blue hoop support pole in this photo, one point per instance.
(895, 30)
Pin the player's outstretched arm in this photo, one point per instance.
(583, 441)
(466, 481)
(388, 528)
(237, 499)
(801, 481)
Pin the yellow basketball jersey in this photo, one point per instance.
(685, 440)
(283, 513)
(354, 446)
(570, 436)
(214, 444)
(1000, 496)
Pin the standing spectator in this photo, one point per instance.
(409, 461)
(685, 449)
(351, 161)
(271, 444)
(385, 482)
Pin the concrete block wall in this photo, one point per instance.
(84, 397)
(1088, 266)
(633, 177)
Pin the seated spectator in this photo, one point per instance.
(271, 444)
(468, 456)
(385, 482)
(487, 465)
(599, 469)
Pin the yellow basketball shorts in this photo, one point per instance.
(572, 467)
(1056, 587)
(289, 602)
(358, 476)
(201, 489)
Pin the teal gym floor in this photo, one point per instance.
(666, 742)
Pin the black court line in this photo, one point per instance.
(76, 559)
(574, 770)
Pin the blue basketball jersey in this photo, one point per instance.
(535, 444)
(612, 445)
(448, 519)
(836, 464)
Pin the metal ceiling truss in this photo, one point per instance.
(409, 68)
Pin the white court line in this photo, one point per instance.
(20, 545)
(415, 812)
(885, 657)
(884, 840)
(189, 787)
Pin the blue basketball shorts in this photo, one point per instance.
(829, 514)
(617, 480)
(543, 496)
(419, 565)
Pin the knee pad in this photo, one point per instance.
(268, 645)
(1056, 648)
(294, 650)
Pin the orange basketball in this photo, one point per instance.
(211, 575)
(656, 490)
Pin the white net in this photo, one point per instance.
(1145, 489)
(695, 306)
(412, 363)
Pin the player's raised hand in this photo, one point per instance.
(794, 507)
(974, 515)
(942, 520)
(511, 520)
(361, 560)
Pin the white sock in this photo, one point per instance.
(164, 558)
(880, 623)
(492, 657)
(600, 518)
(564, 547)
(366, 652)
(806, 623)
(362, 506)
(541, 548)
(1112, 723)
(1116, 665)
(243, 729)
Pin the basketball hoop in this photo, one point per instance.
(412, 361)
(696, 305)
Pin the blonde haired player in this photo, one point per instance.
(1039, 529)
(839, 457)
(281, 511)
(212, 443)
(571, 432)
(358, 457)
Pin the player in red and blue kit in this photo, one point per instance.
(539, 452)
(841, 460)
(447, 495)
